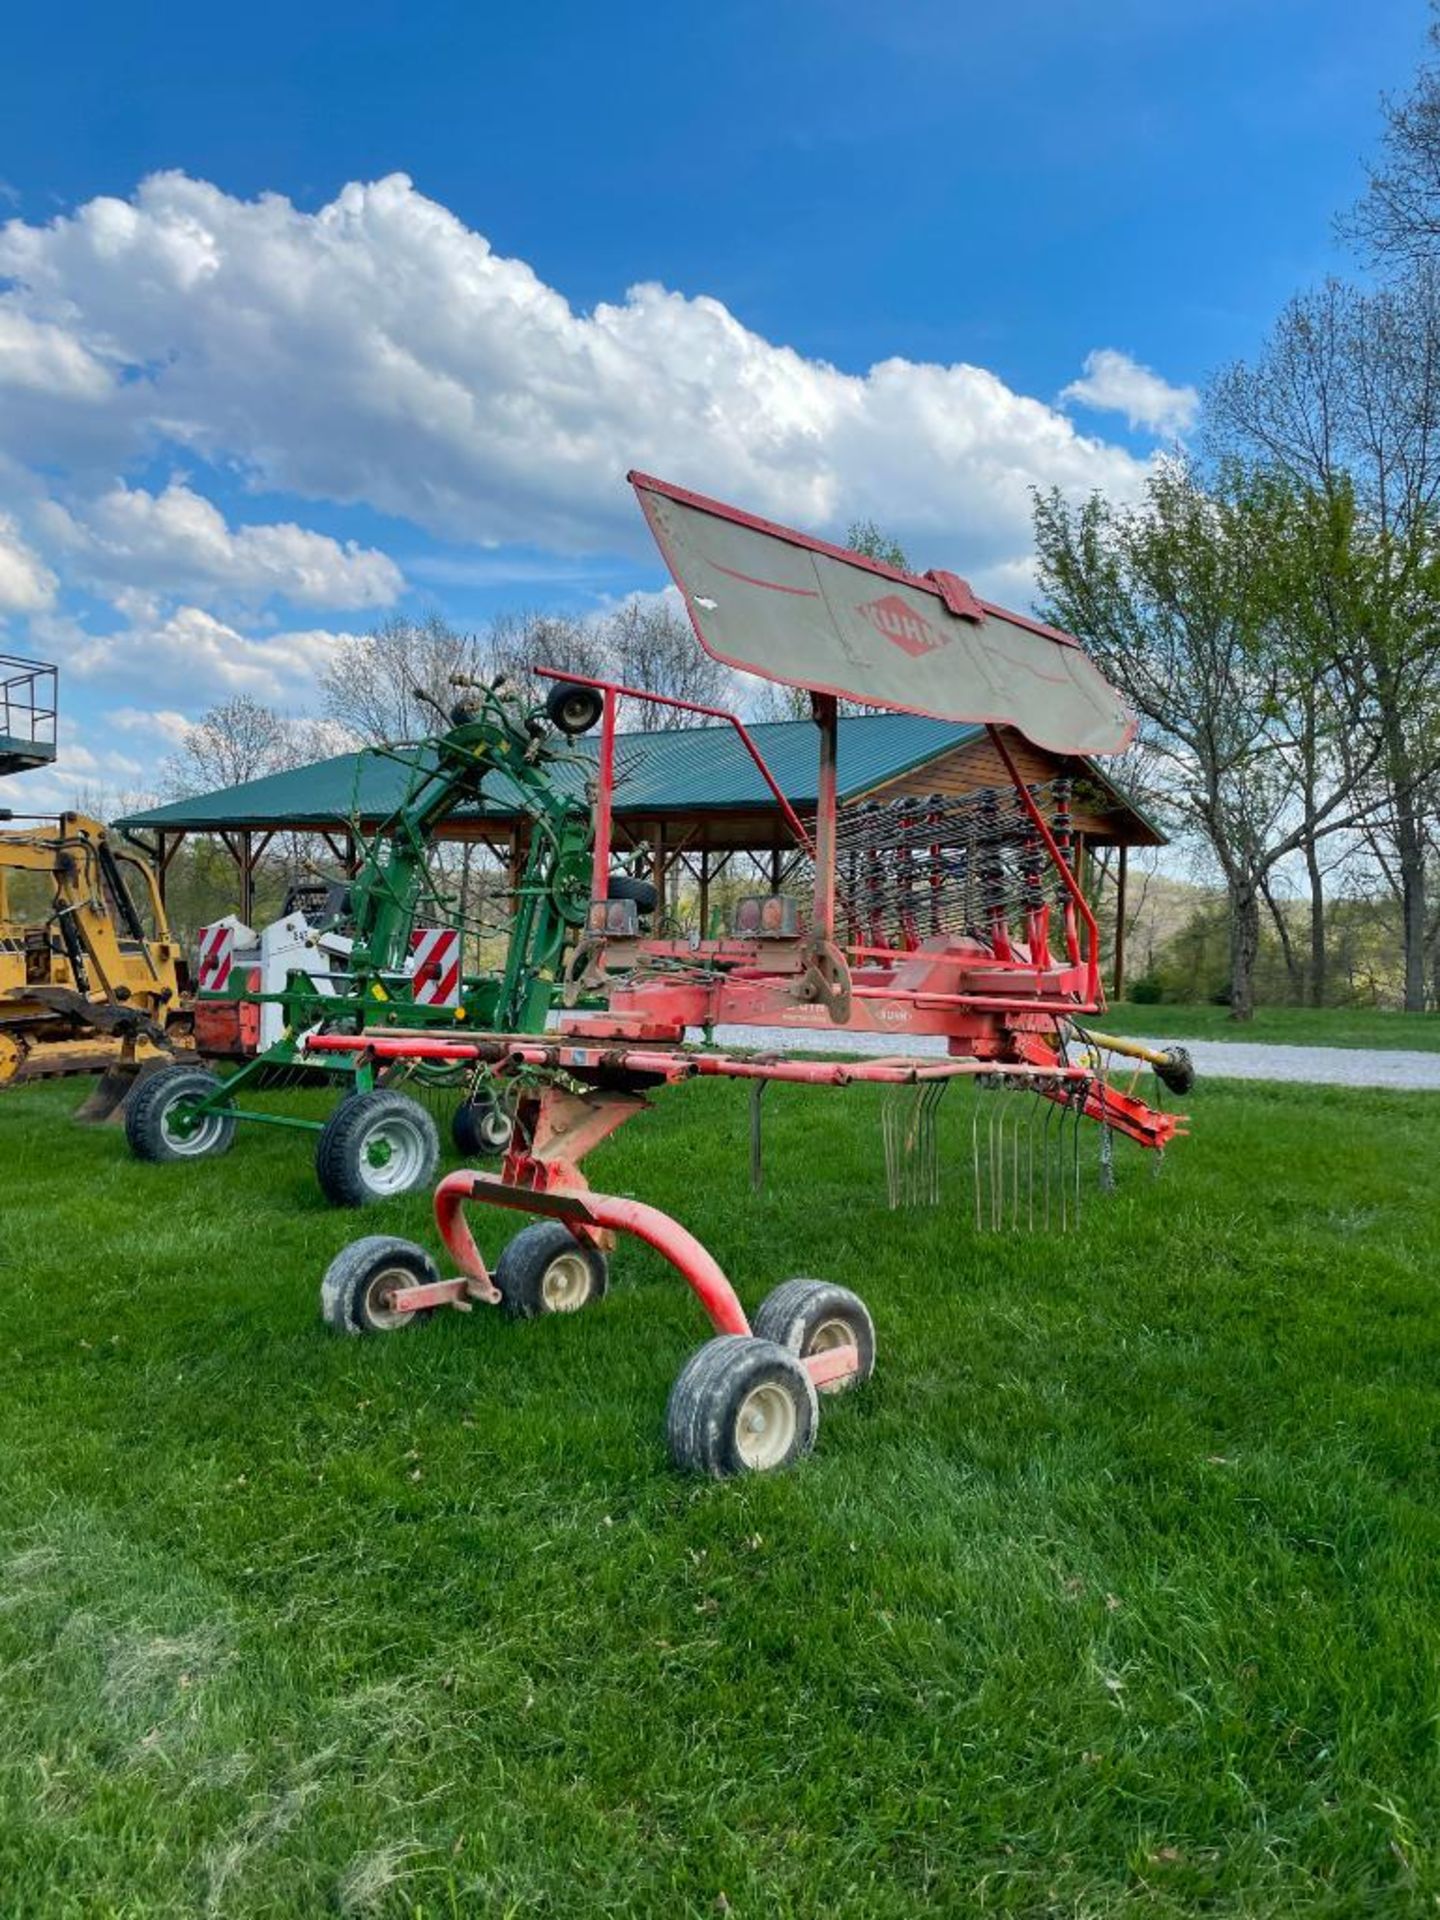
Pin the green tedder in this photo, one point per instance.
(378, 1141)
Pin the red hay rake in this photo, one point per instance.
(957, 919)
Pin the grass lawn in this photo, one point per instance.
(1117, 1591)
(1285, 1026)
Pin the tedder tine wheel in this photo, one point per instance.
(573, 708)
(375, 1146)
(740, 1405)
(481, 1129)
(362, 1279)
(545, 1269)
(1176, 1070)
(174, 1115)
(811, 1316)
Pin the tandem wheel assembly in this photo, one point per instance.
(745, 1402)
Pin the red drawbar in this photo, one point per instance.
(699, 1269)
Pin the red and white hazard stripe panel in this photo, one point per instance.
(435, 975)
(216, 958)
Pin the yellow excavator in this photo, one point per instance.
(89, 978)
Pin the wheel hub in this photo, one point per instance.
(187, 1125)
(567, 1283)
(765, 1426)
(381, 1292)
(393, 1154)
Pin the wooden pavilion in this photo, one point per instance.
(691, 796)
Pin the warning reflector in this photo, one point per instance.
(435, 972)
(215, 958)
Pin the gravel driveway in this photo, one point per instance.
(1214, 1059)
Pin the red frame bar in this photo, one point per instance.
(615, 689)
(894, 1070)
(604, 804)
(1072, 885)
(604, 1212)
(826, 711)
(698, 1268)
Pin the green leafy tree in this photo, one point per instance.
(864, 537)
(1183, 601)
(1344, 402)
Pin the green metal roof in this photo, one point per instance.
(688, 770)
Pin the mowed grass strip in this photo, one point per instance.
(1370, 1028)
(1118, 1590)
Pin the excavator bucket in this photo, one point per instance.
(105, 1102)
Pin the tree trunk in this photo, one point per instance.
(1287, 945)
(1410, 851)
(1409, 841)
(1244, 946)
(1319, 958)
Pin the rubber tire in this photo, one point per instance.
(344, 1305)
(521, 1269)
(1177, 1071)
(572, 709)
(339, 1153)
(474, 1128)
(642, 892)
(794, 1313)
(701, 1419)
(151, 1098)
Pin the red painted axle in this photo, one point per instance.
(584, 1213)
(581, 1210)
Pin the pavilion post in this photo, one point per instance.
(658, 874)
(704, 892)
(1117, 985)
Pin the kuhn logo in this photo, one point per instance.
(910, 631)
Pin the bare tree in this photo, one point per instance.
(372, 689)
(650, 645)
(1399, 218)
(236, 741)
(518, 643)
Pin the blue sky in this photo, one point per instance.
(249, 408)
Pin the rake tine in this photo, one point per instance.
(997, 1177)
(1067, 1152)
(757, 1164)
(1014, 1170)
(974, 1158)
(1079, 1116)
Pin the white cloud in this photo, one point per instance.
(44, 358)
(26, 584)
(193, 652)
(160, 722)
(1114, 383)
(379, 351)
(177, 542)
(88, 773)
